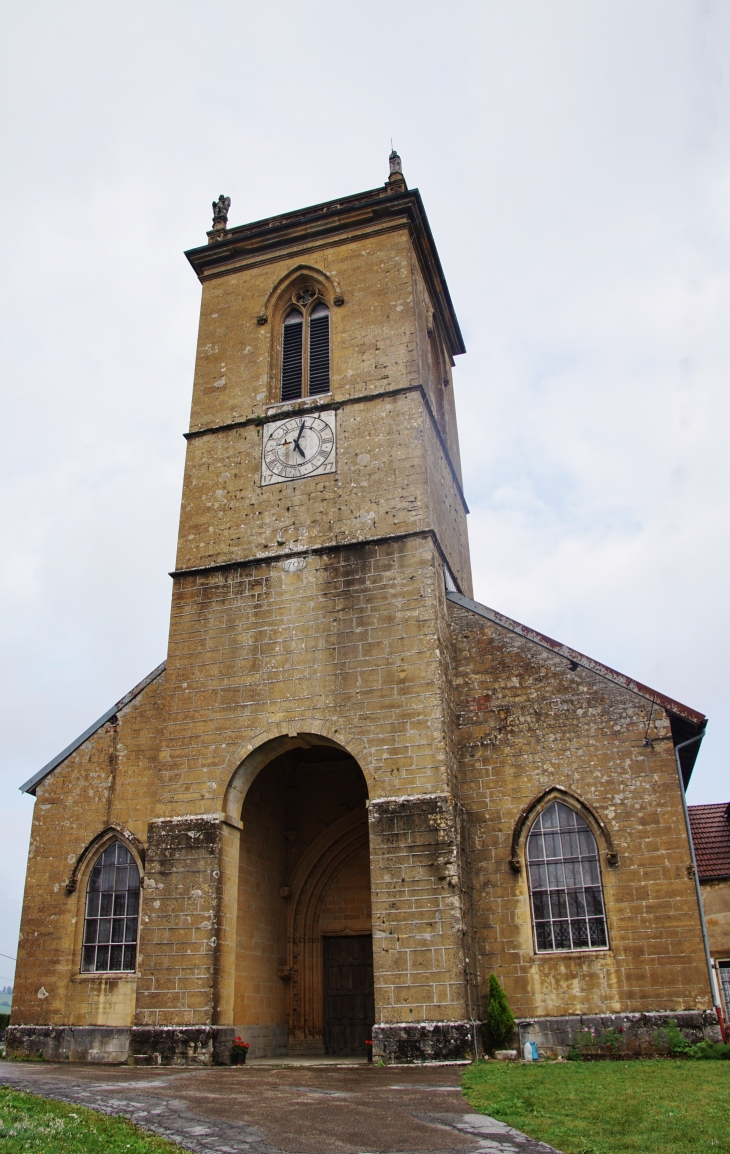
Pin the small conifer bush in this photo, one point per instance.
(500, 1020)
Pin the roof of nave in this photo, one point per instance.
(711, 836)
(685, 721)
(31, 784)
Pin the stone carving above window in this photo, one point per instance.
(305, 295)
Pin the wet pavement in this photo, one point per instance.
(294, 1109)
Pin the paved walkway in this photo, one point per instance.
(300, 1109)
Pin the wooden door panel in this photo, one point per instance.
(349, 1003)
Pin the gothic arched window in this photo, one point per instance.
(305, 348)
(112, 912)
(565, 882)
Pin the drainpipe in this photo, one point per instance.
(698, 891)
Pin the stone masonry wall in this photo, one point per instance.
(381, 481)
(179, 927)
(261, 996)
(373, 343)
(347, 648)
(418, 911)
(528, 721)
(111, 778)
(392, 478)
(433, 355)
(716, 900)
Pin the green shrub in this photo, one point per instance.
(500, 1021)
(611, 1039)
(592, 1044)
(4, 1022)
(676, 1040)
(715, 1051)
(672, 1039)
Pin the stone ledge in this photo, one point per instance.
(106, 1045)
(117, 1045)
(554, 1036)
(414, 1042)
(181, 1045)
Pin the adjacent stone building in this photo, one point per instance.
(351, 792)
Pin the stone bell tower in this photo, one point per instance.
(317, 535)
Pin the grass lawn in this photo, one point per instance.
(42, 1126)
(640, 1107)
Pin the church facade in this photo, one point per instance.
(351, 792)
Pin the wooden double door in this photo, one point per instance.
(349, 1002)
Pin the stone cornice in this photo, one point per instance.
(389, 206)
(311, 551)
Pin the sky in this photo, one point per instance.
(574, 160)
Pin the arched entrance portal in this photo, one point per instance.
(304, 965)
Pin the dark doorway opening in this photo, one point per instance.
(349, 1002)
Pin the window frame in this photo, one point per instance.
(84, 891)
(723, 964)
(437, 371)
(289, 302)
(534, 817)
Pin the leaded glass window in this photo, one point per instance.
(565, 882)
(112, 912)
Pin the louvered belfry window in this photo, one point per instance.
(291, 356)
(565, 882)
(319, 350)
(305, 347)
(112, 912)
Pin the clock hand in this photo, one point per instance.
(296, 443)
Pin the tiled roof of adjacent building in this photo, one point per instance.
(711, 837)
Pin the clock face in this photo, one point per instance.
(298, 447)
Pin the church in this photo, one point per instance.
(351, 792)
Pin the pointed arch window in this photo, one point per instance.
(565, 882)
(112, 912)
(305, 348)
